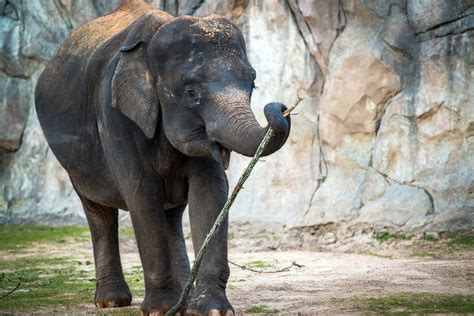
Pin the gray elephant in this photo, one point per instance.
(143, 109)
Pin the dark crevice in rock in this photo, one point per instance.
(9, 10)
(437, 26)
(341, 19)
(99, 7)
(378, 121)
(462, 24)
(390, 180)
(63, 14)
(196, 7)
(397, 50)
(322, 167)
(430, 197)
(341, 25)
(378, 124)
(307, 36)
(431, 111)
(14, 75)
(239, 9)
(446, 34)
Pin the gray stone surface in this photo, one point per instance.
(384, 137)
(15, 99)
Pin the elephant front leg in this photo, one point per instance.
(162, 288)
(208, 190)
(177, 243)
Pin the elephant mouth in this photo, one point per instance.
(219, 152)
(225, 154)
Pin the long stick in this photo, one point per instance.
(221, 217)
(11, 291)
(285, 269)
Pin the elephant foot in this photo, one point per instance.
(116, 294)
(158, 305)
(158, 313)
(212, 312)
(209, 302)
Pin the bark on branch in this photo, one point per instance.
(286, 269)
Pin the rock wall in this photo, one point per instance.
(383, 137)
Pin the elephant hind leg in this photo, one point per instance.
(111, 288)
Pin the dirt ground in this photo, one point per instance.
(318, 282)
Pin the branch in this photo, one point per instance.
(266, 271)
(222, 216)
(202, 295)
(16, 288)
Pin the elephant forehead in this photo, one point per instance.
(213, 28)
(210, 32)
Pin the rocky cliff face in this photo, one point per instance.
(383, 137)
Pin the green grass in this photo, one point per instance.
(464, 242)
(44, 282)
(54, 282)
(416, 303)
(14, 237)
(258, 264)
(386, 236)
(430, 238)
(127, 232)
(34, 262)
(51, 281)
(259, 236)
(260, 309)
(135, 281)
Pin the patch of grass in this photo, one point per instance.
(260, 309)
(54, 282)
(135, 281)
(259, 236)
(430, 238)
(127, 232)
(464, 241)
(51, 281)
(386, 236)
(19, 236)
(258, 264)
(410, 303)
(30, 263)
(44, 282)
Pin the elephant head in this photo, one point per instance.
(195, 72)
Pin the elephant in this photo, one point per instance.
(143, 109)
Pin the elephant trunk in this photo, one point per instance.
(241, 132)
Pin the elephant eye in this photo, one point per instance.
(193, 95)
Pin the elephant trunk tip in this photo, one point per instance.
(274, 114)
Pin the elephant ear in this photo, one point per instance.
(133, 89)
